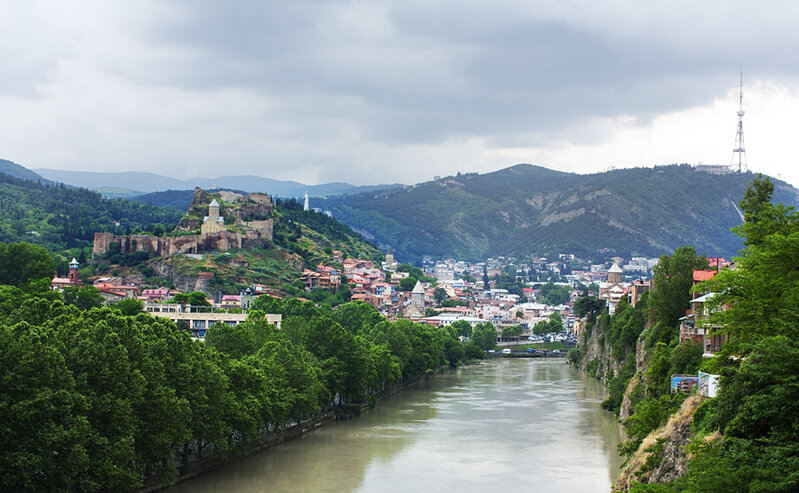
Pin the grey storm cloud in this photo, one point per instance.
(329, 79)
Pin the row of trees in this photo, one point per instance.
(100, 398)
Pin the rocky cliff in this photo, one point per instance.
(636, 372)
(662, 456)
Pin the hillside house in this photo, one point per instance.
(157, 294)
(230, 301)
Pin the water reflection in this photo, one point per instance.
(503, 424)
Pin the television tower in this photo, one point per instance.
(738, 149)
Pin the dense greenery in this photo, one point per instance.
(100, 398)
(756, 411)
(554, 295)
(59, 217)
(553, 324)
(745, 438)
(313, 235)
(528, 209)
(655, 318)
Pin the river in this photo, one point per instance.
(501, 425)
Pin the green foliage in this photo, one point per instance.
(98, 399)
(84, 297)
(407, 284)
(574, 355)
(671, 294)
(129, 306)
(686, 358)
(625, 326)
(511, 332)
(617, 385)
(756, 410)
(592, 368)
(312, 235)
(649, 415)
(22, 263)
(462, 327)
(440, 295)
(484, 336)
(554, 324)
(554, 295)
(588, 306)
(58, 217)
(509, 282)
(194, 298)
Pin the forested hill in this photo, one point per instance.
(60, 218)
(529, 209)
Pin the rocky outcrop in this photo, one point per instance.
(662, 456)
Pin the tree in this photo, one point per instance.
(511, 332)
(84, 297)
(21, 263)
(355, 315)
(760, 296)
(553, 324)
(407, 284)
(485, 336)
(463, 327)
(761, 217)
(194, 298)
(554, 295)
(440, 295)
(588, 306)
(671, 294)
(129, 306)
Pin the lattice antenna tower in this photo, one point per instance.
(738, 149)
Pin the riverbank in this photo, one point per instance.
(203, 465)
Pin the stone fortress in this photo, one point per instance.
(246, 221)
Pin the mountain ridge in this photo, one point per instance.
(527, 209)
(146, 182)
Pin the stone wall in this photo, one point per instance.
(221, 241)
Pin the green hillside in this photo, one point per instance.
(302, 239)
(62, 218)
(529, 209)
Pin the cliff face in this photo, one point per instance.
(641, 364)
(596, 356)
(662, 457)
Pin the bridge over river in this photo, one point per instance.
(502, 425)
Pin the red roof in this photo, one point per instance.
(704, 275)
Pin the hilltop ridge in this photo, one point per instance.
(526, 209)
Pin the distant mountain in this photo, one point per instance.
(11, 168)
(176, 199)
(528, 209)
(150, 182)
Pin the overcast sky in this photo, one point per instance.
(382, 92)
